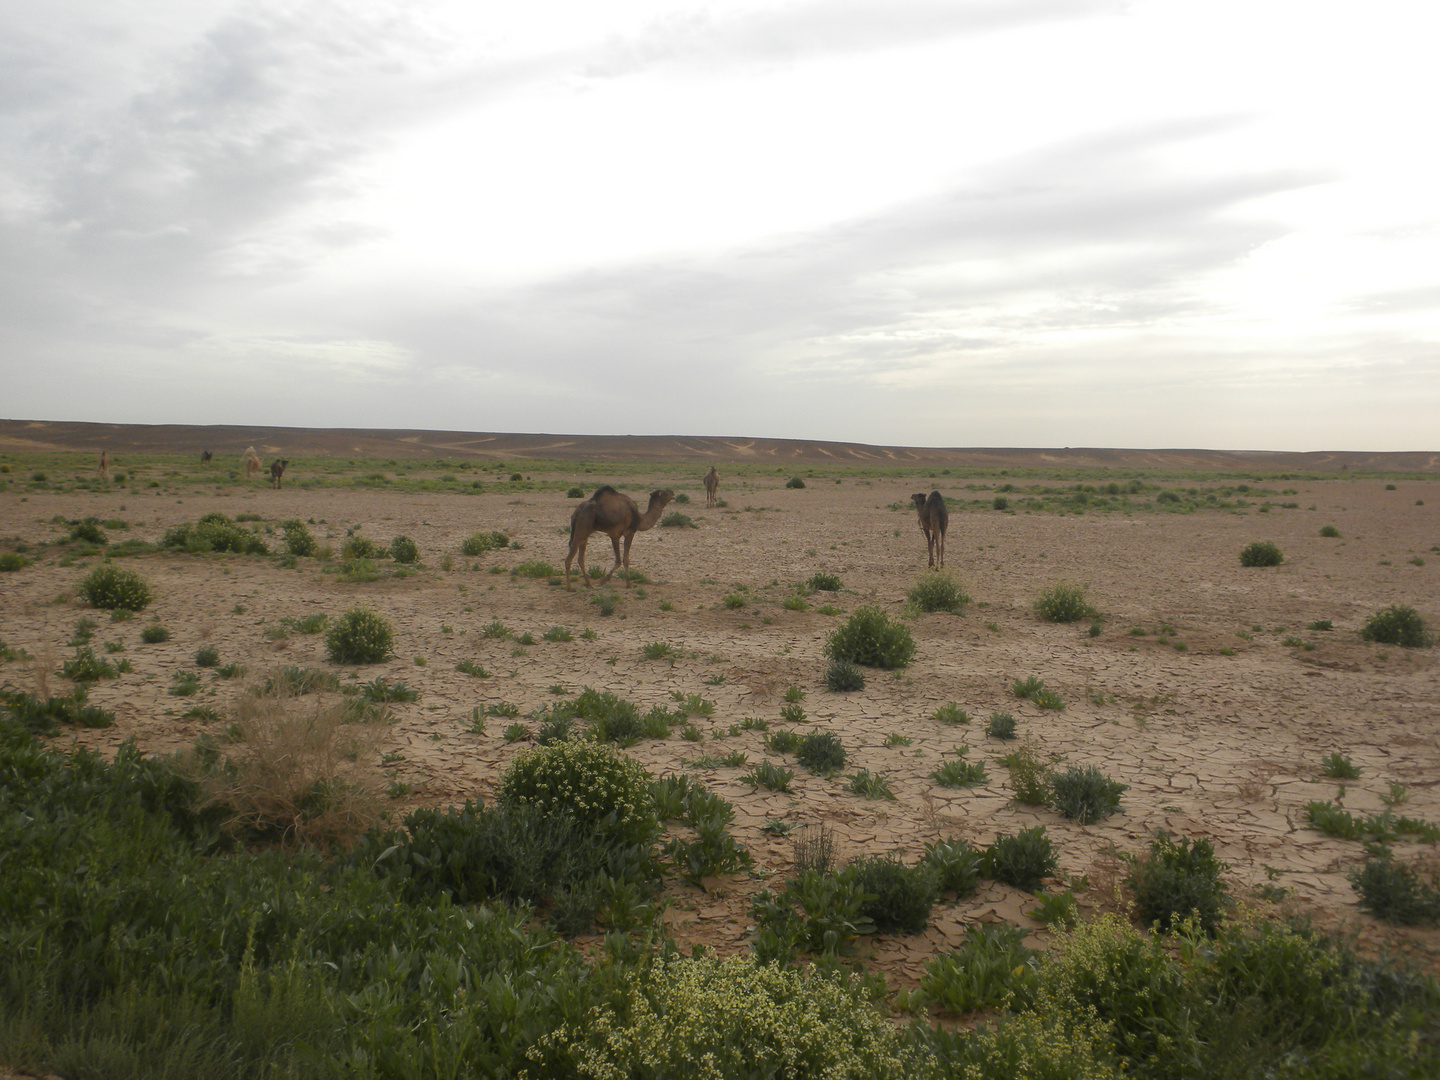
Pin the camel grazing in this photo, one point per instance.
(104, 467)
(277, 470)
(251, 461)
(933, 520)
(205, 457)
(712, 485)
(615, 515)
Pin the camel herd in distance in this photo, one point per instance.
(617, 516)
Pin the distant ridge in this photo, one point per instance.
(47, 435)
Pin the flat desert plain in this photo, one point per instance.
(1206, 690)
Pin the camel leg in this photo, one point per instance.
(577, 548)
(615, 543)
(942, 549)
(627, 558)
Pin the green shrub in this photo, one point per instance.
(1396, 893)
(869, 637)
(1048, 699)
(1085, 794)
(404, 551)
(821, 753)
(85, 666)
(298, 540)
(1029, 775)
(1261, 553)
(110, 587)
(956, 864)
(902, 896)
(1398, 624)
(1001, 726)
(478, 543)
(960, 773)
(951, 713)
(823, 582)
(938, 592)
(89, 532)
(782, 742)
(1339, 767)
(11, 561)
(1000, 502)
(1027, 688)
(40, 716)
(1329, 530)
(1064, 602)
(770, 776)
(207, 656)
(676, 520)
(575, 492)
(535, 568)
(360, 636)
(842, 676)
(593, 783)
(794, 482)
(1178, 880)
(870, 785)
(154, 634)
(1024, 860)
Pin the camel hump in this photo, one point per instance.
(604, 489)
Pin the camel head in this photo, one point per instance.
(919, 498)
(658, 498)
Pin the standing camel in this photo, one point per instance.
(205, 456)
(104, 467)
(712, 485)
(933, 520)
(251, 461)
(615, 515)
(277, 470)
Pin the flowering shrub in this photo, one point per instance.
(360, 636)
(870, 638)
(109, 587)
(592, 782)
(710, 1018)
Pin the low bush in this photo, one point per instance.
(593, 783)
(1001, 726)
(109, 587)
(154, 634)
(938, 592)
(823, 582)
(869, 637)
(404, 551)
(1261, 553)
(207, 656)
(795, 482)
(40, 716)
(1024, 860)
(1064, 602)
(1398, 624)
(1176, 881)
(298, 539)
(956, 864)
(89, 531)
(960, 773)
(992, 969)
(360, 636)
(11, 561)
(676, 520)
(478, 543)
(1397, 893)
(1029, 775)
(842, 677)
(821, 753)
(1330, 531)
(1085, 794)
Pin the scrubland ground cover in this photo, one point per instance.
(364, 876)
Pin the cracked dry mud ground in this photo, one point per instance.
(1212, 744)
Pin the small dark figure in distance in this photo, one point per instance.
(205, 457)
(104, 467)
(277, 470)
(933, 520)
(712, 485)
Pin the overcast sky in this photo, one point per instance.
(919, 222)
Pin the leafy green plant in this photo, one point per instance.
(951, 713)
(1397, 893)
(676, 520)
(870, 785)
(794, 694)
(1085, 794)
(1064, 602)
(298, 539)
(938, 592)
(842, 676)
(379, 689)
(960, 773)
(1057, 909)
(792, 714)
(592, 782)
(360, 636)
(782, 742)
(478, 543)
(823, 582)
(869, 637)
(769, 776)
(990, 970)
(1329, 530)
(108, 587)
(1398, 624)
(821, 753)
(1339, 767)
(1027, 688)
(85, 666)
(956, 863)
(41, 715)
(734, 601)
(1048, 699)
(1024, 860)
(89, 531)
(1175, 881)
(184, 683)
(795, 482)
(154, 634)
(1029, 775)
(659, 650)
(469, 667)
(11, 561)
(207, 656)
(404, 551)
(1261, 553)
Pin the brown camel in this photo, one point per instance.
(712, 485)
(277, 470)
(615, 515)
(205, 457)
(933, 520)
(251, 461)
(104, 467)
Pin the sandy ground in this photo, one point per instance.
(1226, 747)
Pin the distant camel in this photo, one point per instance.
(205, 457)
(933, 520)
(251, 461)
(712, 485)
(277, 470)
(615, 515)
(104, 467)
